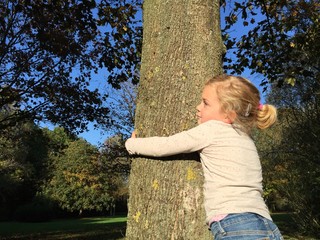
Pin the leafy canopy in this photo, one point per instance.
(49, 51)
(281, 43)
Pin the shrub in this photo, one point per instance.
(39, 210)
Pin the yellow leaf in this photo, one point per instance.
(191, 175)
(155, 184)
(137, 216)
(291, 81)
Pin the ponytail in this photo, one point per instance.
(266, 116)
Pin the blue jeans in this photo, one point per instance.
(246, 226)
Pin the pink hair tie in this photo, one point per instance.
(260, 106)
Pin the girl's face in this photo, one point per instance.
(210, 107)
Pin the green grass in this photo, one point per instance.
(106, 228)
(84, 228)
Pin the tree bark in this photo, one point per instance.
(182, 48)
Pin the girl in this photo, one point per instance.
(229, 110)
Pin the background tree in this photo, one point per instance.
(297, 152)
(77, 182)
(48, 53)
(122, 103)
(116, 165)
(46, 172)
(281, 42)
(49, 50)
(119, 49)
(274, 171)
(22, 165)
(182, 47)
(116, 161)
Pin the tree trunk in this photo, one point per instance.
(182, 48)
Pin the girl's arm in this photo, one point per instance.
(185, 142)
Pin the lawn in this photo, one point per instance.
(84, 228)
(104, 228)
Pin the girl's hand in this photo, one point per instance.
(133, 134)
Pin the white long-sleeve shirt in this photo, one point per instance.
(231, 165)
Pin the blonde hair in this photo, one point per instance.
(237, 94)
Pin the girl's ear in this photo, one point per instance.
(230, 117)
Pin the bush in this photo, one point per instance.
(5, 213)
(40, 210)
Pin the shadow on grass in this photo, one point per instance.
(72, 229)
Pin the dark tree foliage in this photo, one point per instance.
(49, 50)
(298, 151)
(121, 47)
(282, 42)
(23, 158)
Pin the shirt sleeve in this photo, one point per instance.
(189, 141)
